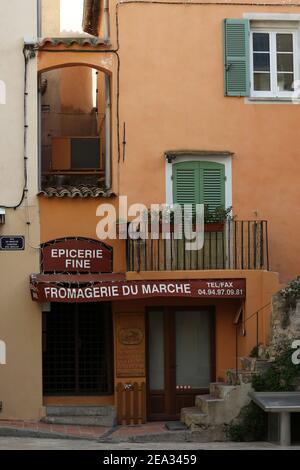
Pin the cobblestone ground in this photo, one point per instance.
(12, 443)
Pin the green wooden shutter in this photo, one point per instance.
(186, 183)
(236, 57)
(199, 183)
(212, 184)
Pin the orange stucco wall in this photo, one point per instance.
(172, 97)
(79, 78)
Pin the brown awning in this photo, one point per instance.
(91, 14)
(105, 287)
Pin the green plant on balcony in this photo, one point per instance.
(217, 215)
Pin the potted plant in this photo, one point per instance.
(214, 220)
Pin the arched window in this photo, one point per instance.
(2, 92)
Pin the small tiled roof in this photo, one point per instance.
(81, 191)
(68, 42)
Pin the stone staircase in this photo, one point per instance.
(84, 415)
(249, 366)
(222, 405)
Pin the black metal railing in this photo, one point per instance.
(253, 327)
(237, 244)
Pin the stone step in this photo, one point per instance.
(254, 364)
(84, 415)
(192, 416)
(79, 410)
(205, 403)
(220, 389)
(213, 413)
(106, 421)
(243, 376)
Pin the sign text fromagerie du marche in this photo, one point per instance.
(125, 290)
(12, 243)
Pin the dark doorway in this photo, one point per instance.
(78, 349)
(295, 427)
(181, 360)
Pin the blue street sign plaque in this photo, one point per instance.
(12, 243)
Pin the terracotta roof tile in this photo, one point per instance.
(68, 42)
(81, 191)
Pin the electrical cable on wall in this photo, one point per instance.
(28, 54)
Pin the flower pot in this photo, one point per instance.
(214, 227)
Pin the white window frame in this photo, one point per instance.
(274, 92)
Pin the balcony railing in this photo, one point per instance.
(239, 244)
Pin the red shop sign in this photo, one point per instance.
(76, 255)
(128, 290)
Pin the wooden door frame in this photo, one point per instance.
(169, 339)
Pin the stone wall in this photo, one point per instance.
(285, 319)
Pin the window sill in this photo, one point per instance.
(269, 99)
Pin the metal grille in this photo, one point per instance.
(77, 349)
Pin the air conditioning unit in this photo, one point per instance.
(76, 154)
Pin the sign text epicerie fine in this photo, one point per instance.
(76, 259)
(73, 255)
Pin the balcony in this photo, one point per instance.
(75, 132)
(237, 244)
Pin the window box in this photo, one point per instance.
(214, 227)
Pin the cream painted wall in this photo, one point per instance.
(20, 318)
(50, 18)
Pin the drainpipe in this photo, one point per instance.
(107, 133)
(106, 21)
(39, 18)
